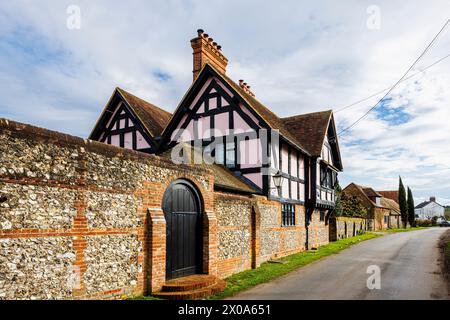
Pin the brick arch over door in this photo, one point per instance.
(183, 211)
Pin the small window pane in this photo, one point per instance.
(287, 214)
(322, 215)
(219, 154)
(230, 159)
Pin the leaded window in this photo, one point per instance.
(288, 214)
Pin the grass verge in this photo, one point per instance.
(269, 271)
(403, 229)
(444, 245)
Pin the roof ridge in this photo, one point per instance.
(135, 96)
(307, 114)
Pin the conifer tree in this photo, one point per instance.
(402, 202)
(411, 212)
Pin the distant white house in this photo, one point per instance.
(429, 209)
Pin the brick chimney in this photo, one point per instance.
(433, 199)
(206, 50)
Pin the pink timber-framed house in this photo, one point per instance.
(218, 112)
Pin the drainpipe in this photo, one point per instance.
(310, 202)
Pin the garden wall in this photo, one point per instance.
(346, 227)
(73, 214)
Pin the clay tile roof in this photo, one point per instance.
(365, 191)
(310, 129)
(390, 204)
(152, 117)
(370, 192)
(224, 178)
(393, 195)
(271, 118)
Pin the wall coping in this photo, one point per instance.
(31, 132)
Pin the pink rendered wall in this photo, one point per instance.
(256, 178)
(224, 87)
(239, 123)
(284, 158)
(224, 102)
(113, 114)
(212, 103)
(141, 143)
(202, 90)
(203, 127)
(294, 187)
(285, 188)
(301, 161)
(302, 192)
(201, 109)
(250, 153)
(128, 140)
(186, 134)
(247, 112)
(115, 140)
(221, 123)
(294, 165)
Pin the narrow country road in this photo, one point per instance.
(409, 270)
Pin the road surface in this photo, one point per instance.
(408, 262)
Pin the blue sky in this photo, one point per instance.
(299, 57)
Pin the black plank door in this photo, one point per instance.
(184, 237)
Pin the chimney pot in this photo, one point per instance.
(433, 199)
(210, 53)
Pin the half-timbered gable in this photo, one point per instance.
(317, 132)
(130, 122)
(214, 115)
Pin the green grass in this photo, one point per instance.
(403, 229)
(145, 298)
(447, 251)
(269, 271)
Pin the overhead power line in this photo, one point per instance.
(399, 80)
(381, 91)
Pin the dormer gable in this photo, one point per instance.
(130, 122)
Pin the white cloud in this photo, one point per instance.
(298, 57)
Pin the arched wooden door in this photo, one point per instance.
(184, 230)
